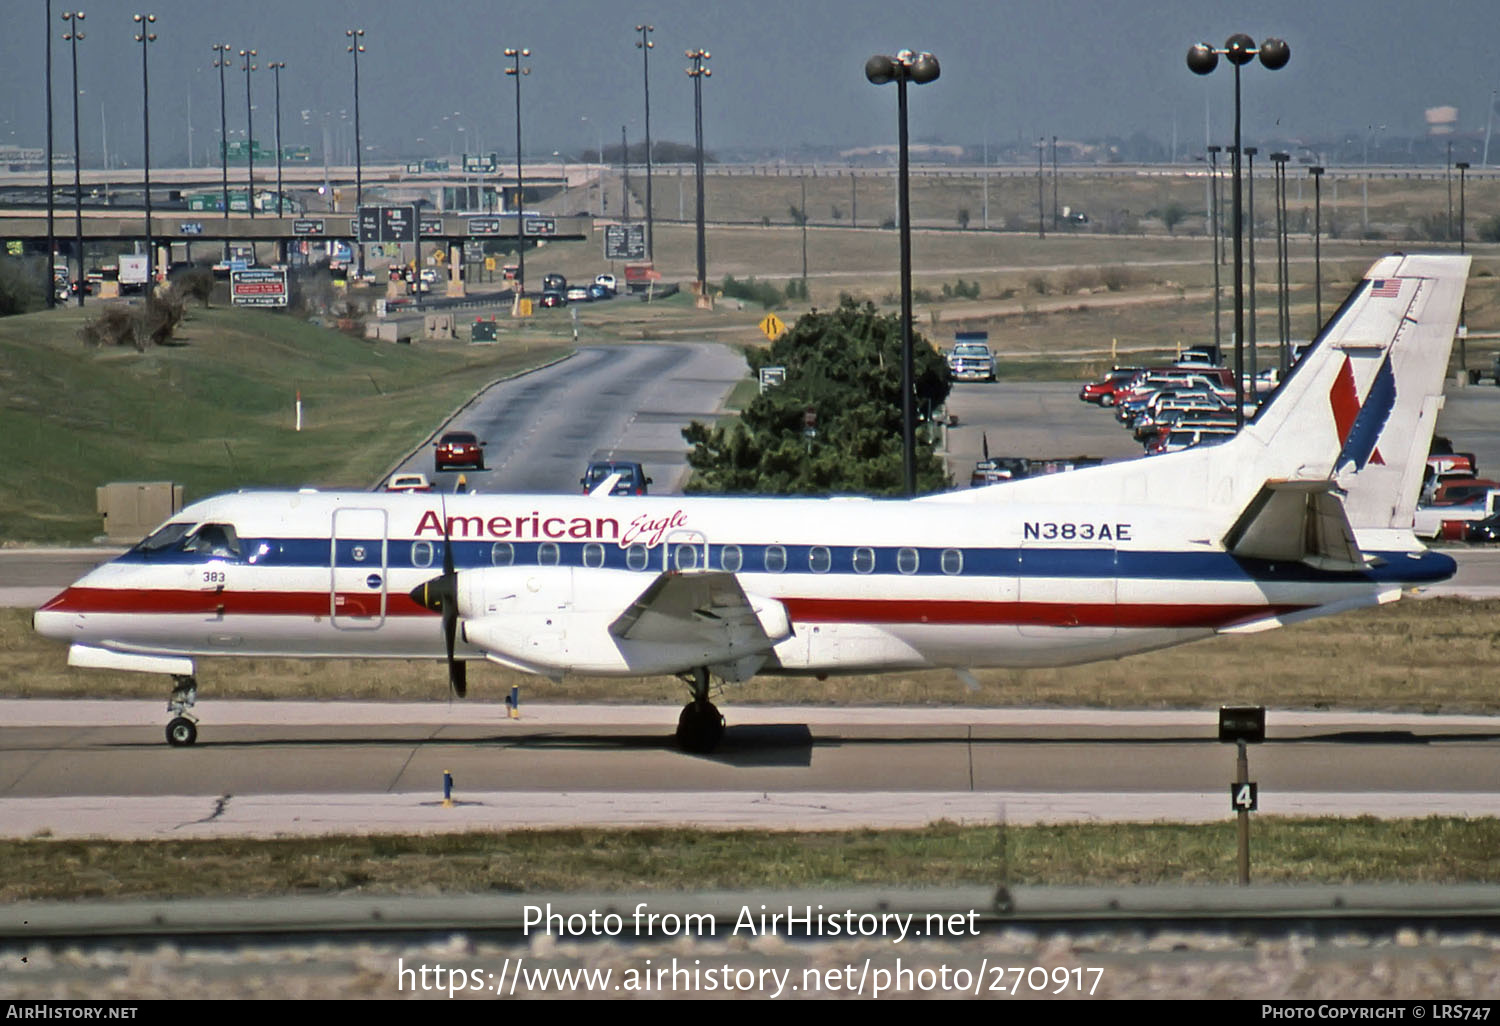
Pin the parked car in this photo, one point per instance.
(1451, 491)
(1451, 521)
(599, 290)
(578, 294)
(552, 297)
(1103, 392)
(554, 282)
(633, 479)
(459, 449)
(608, 281)
(408, 483)
(1486, 530)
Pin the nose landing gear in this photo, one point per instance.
(182, 729)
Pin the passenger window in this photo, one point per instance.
(864, 561)
(502, 554)
(421, 553)
(906, 561)
(547, 554)
(953, 561)
(593, 555)
(819, 560)
(731, 559)
(775, 559)
(685, 557)
(636, 557)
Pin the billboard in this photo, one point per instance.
(624, 242)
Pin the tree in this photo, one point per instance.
(1172, 215)
(845, 367)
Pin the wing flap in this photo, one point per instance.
(678, 607)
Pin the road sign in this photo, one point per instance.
(431, 226)
(258, 287)
(539, 226)
(386, 224)
(481, 163)
(770, 377)
(308, 226)
(772, 327)
(190, 228)
(482, 226)
(624, 242)
(1244, 797)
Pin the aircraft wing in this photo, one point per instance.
(1297, 521)
(679, 607)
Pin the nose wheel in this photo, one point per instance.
(182, 728)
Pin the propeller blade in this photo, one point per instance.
(458, 674)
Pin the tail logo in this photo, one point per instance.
(1359, 424)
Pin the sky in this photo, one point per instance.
(785, 73)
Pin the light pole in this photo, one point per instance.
(1041, 217)
(1371, 132)
(1317, 176)
(51, 199)
(1213, 172)
(698, 73)
(356, 47)
(516, 71)
(1202, 59)
(72, 36)
(1463, 333)
(221, 61)
(919, 68)
(275, 67)
(1283, 265)
(145, 37)
(246, 55)
(645, 45)
(599, 140)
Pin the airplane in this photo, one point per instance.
(1306, 512)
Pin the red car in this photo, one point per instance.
(1103, 392)
(459, 449)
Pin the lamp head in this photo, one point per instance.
(1240, 49)
(924, 69)
(1274, 53)
(1202, 58)
(880, 69)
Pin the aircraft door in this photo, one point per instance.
(358, 569)
(1067, 585)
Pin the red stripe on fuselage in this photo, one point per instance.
(804, 610)
(230, 603)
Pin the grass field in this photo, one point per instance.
(1436, 655)
(1361, 850)
(215, 411)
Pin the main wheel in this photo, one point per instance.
(700, 728)
(181, 732)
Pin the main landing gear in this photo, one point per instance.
(700, 728)
(182, 729)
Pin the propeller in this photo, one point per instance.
(441, 596)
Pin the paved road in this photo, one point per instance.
(627, 402)
(275, 767)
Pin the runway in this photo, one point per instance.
(96, 768)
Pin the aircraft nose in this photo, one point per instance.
(54, 623)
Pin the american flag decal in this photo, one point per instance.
(1385, 288)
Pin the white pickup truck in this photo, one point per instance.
(970, 358)
(1448, 521)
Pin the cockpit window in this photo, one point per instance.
(219, 540)
(164, 537)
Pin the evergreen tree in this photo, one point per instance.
(845, 366)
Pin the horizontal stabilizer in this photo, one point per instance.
(1297, 521)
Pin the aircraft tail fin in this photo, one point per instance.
(1359, 408)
